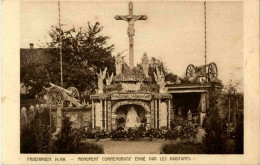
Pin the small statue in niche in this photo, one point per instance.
(119, 62)
(145, 64)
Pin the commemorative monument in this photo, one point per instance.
(129, 98)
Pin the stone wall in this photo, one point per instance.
(80, 117)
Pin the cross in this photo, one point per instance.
(196, 118)
(130, 18)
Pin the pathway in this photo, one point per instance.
(131, 147)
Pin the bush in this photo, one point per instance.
(36, 135)
(69, 141)
(182, 148)
(239, 136)
(214, 141)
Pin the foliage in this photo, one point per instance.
(36, 135)
(214, 140)
(239, 136)
(68, 141)
(84, 53)
(182, 148)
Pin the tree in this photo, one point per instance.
(214, 141)
(84, 53)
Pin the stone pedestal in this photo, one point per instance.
(59, 119)
(98, 115)
(163, 115)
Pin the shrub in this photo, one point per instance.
(182, 148)
(36, 136)
(69, 141)
(214, 141)
(239, 136)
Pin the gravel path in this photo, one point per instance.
(132, 147)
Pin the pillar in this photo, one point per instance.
(59, 118)
(109, 115)
(158, 111)
(148, 123)
(152, 114)
(101, 114)
(169, 114)
(113, 120)
(155, 113)
(93, 114)
(105, 110)
(203, 107)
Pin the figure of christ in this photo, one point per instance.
(132, 119)
(131, 19)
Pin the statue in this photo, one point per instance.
(160, 80)
(109, 79)
(132, 119)
(130, 19)
(119, 62)
(101, 77)
(145, 64)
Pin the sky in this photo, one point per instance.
(174, 31)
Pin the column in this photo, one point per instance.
(105, 109)
(155, 113)
(148, 123)
(93, 114)
(152, 113)
(203, 108)
(113, 120)
(158, 111)
(59, 118)
(109, 115)
(101, 114)
(169, 114)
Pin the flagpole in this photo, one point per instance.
(60, 44)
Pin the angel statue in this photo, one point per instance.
(101, 77)
(160, 80)
(109, 79)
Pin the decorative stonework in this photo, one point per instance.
(130, 87)
(129, 102)
(131, 96)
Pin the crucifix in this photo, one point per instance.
(130, 18)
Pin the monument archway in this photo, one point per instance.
(134, 102)
(131, 114)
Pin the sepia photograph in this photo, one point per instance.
(131, 77)
(130, 82)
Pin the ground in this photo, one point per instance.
(131, 147)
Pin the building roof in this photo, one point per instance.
(34, 56)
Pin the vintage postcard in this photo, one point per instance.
(130, 82)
